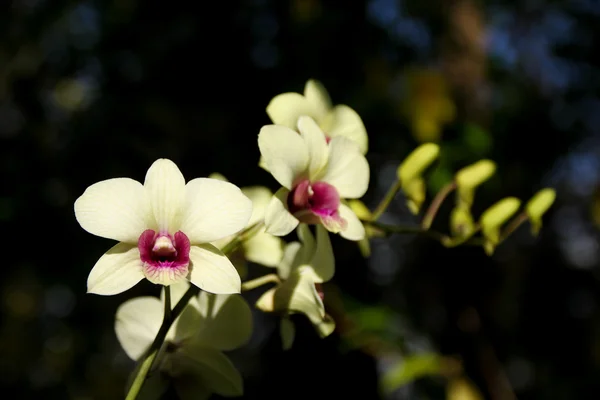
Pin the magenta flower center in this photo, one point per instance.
(320, 198)
(165, 257)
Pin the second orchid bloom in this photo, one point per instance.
(317, 174)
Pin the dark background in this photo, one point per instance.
(93, 90)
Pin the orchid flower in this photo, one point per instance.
(164, 227)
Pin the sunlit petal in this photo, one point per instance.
(212, 271)
(166, 191)
(347, 169)
(119, 269)
(284, 152)
(213, 210)
(114, 209)
(278, 220)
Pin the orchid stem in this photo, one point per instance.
(514, 225)
(254, 283)
(387, 199)
(436, 203)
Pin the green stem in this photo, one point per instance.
(254, 283)
(436, 204)
(513, 225)
(387, 199)
(440, 237)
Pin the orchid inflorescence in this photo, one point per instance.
(194, 239)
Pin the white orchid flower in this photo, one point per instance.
(164, 227)
(316, 176)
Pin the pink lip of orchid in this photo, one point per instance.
(317, 202)
(161, 252)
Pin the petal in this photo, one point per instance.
(165, 186)
(344, 121)
(316, 144)
(119, 269)
(210, 366)
(323, 261)
(136, 324)
(227, 321)
(114, 209)
(278, 220)
(317, 95)
(260, 197)
(284, 109)
(347, 169)
(213, 210)
(284, 152)
(264, 249)
(212, 271)
(354, 228)
(289, 259)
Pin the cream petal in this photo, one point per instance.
(118, 270)
(114, 209)
(136, 324)
(227, 321)
(284, 109)
(347, 169)
(285, 154)
(264, 249)
(289, 259)
(213, 210)
(212, 271)
(316, 144)
(323, 261)
(260, 197)
(165, 186)
(278, 220)
(317, 95)
(211, 367)
(344, 121)
(355, 230)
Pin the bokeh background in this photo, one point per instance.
(91, 90)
